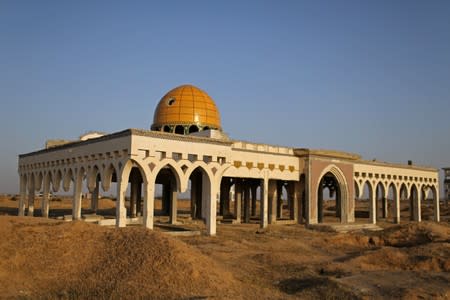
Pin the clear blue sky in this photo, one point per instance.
(371, 77)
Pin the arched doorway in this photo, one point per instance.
(329, 199)
(203, 198)
(381, 202)
(395, 207)
(166, 195)
(363, 202)
(406, 208)
(429, 204)
(414, 201)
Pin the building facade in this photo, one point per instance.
(186, 150)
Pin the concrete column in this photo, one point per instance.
(279, 199)
(437, 212)
(221, 202)
(209, 192)
(253, 188)
(226, 204)
(121, 210)
(173, 203)
(339, 205)
(193, 196)
(76, 201)
(272, 197)
(417, 208)
(203, 198)
(293, 197)
(301, 208)
(224, 197)
(412, 207)
(373, 206)
(196, 196)
(31, 195)
(397, 206)
(310, 197)
(149, 202)
(139, 199)
(320, 202)
(23, 196)
(264, 220)
(385, 208)
(237, 200)
(377, 205)
(45, 196)
(95, 195)
(165, 199)
(134, 186)
(246, 203)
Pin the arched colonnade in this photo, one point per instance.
(208, 184)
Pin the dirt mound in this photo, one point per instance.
(431, 257)
(403, 251)
(42, 258)
(413, 234)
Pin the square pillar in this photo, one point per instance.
(238, 200)
(279, 200)
(23, 196)
(246, 204)
(149, 203)
(373, 206)
(210, 198)
(173, 204)
(301, 207)
(225, 197)
(121, 210)
(76, 200)
(437, 213)
(417, 208)
(264, 212)
(272, 201)
(139, 199)
(193, 196)
(294, 197)
(253, 199)
(95, 195)
(134, 186)
(31, 196)
(385, 207)
(397, 206)
(45, 198)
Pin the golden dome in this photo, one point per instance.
(186, 106)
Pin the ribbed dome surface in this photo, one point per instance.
(186, 105)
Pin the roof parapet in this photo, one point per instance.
(326, 153)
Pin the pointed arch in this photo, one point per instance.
(414, 200)
(357, 190)
(381, 200)
(204, 195)
(56, 180)
(38, 181)
(92, 175)
(67, 179)
(404, 191)
(108, 175)
(342, 195)
(176, 170)
(203, 166)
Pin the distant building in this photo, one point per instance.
(186, 150)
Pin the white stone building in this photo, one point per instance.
(186, 149)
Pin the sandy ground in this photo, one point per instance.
(48, 258)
